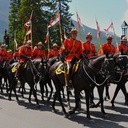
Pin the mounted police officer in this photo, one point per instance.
(72, 48)
(3, 53)
(123, 48)
(54, 52)
(39, 52)
(25, 53)
(89, 47)
(108, 48)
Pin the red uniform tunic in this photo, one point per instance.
(89, 49)
(16, 55)
(53, 53)
(108, 48)
(9, 56)
(123, 48)
(3, 55)
(73, 48)
(38, 54)
(24, 50)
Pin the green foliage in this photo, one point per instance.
(43, 12)
(13, 19)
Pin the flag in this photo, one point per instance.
(110, 26)
(27, 24)
(78, 20)
(98, 30)
(28, 32)
(55, 21)
(47, 36)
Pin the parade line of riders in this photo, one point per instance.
(72, 48)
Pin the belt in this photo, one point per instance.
(73, 53)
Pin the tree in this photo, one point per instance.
(65, 21)
(38, 20)
(13, 19)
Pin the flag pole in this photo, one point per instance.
(60, 24)
(14, 41)
(117, 44)
(31, 27)
(79, 25)
(98, 33)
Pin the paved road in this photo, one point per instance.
(25, 115)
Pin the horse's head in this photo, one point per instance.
(122, 62)
(96, 64)
(109, 66)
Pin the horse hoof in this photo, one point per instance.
(66, 115)
(91, 120)
(9, 99)
(54, 110)
(106, 115)
(126, 102)
(71, 112)
(48, 99)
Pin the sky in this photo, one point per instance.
(104, 11)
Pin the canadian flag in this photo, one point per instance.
(47, 36)
(27, 24)
(98, 30)
(55, 21)
(110, 26)
(78, 20)
(28, 32)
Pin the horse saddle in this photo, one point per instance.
(65, 68)
(15, 67)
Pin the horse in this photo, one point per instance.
(120, 80)
(104, 73)
(81, 79)
(8, 74)
(87, 76)
(42, 67)
(28, 74)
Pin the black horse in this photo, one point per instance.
(42, 67)
(121, 77)
(88, 76)
(104, 73)
(28, 74)
(82, 80)
(10, 79)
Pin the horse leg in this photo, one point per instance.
(35, 95)
(115, 94)
(42, 90)
(30, 93)
(68, 97)
(50, 85)
(100, 92)
(14, 90)
(77, 100)
(92, 104)
(54, 101)
(6, 85)
(87, 95)
(123, 89)
(10, 94)
(107, 96)
(63, 93)
(60, 100)
(1, 85)
(46, 90)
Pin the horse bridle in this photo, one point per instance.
(94, 82)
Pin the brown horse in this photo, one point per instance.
(82, 80)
